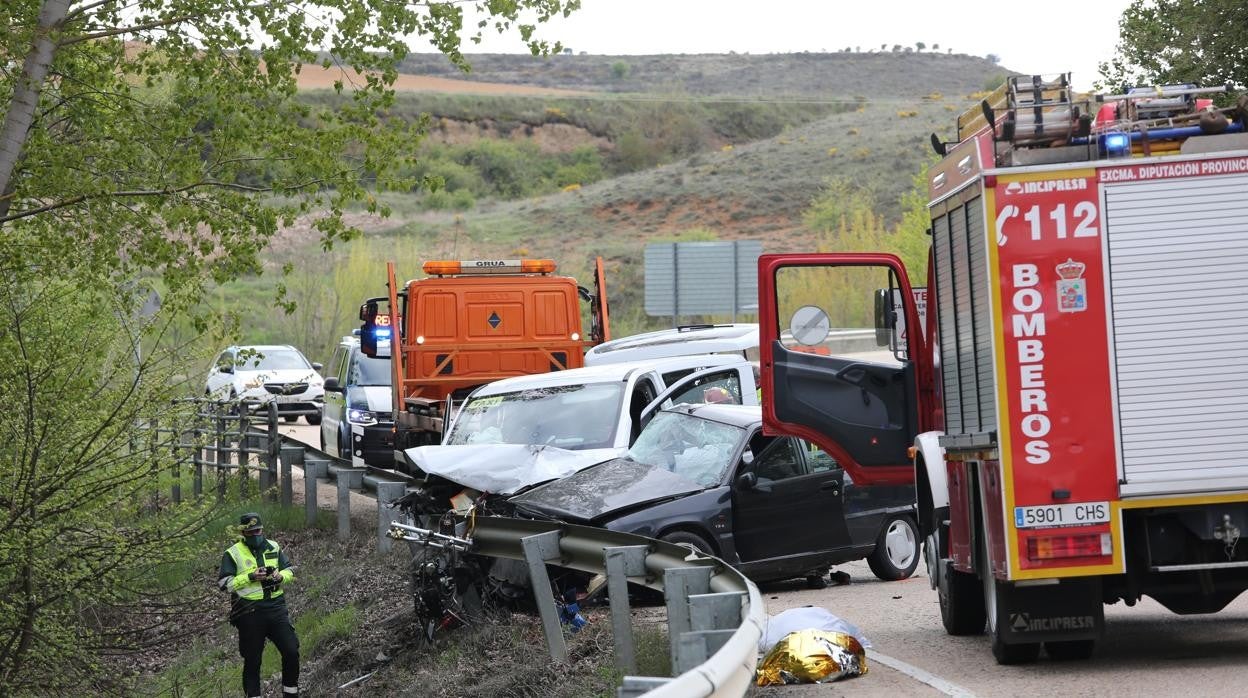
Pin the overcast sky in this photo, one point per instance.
(1043, 36)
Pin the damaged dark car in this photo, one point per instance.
(773, 507)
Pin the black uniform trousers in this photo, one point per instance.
(255, 625)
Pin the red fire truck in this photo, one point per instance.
(1075, 412)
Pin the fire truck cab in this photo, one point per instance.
(1075, 411)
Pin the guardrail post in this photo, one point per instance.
(197, 457)
(344, 507)
(153, 454)
(218, 457)
(273, 443)
(290, 455)
(691, 650)
(623, 562)
(387, 493)
(243, 457)
(179, 444)
(353, 476)
(538, 549)
(313, 468)
(636, 686)
(678, 584)
(712, 619)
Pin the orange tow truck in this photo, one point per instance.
(471, 322)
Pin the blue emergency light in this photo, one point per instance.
(1115, 145)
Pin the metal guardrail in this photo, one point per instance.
(715, 614)
(215, 436)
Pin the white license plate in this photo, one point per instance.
(1054, 515)
(289, 398)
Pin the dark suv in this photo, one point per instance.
(357, 423)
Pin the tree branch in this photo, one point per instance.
(168, 191)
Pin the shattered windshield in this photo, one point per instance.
(567, 416)
(696, 449)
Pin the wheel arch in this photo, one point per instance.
(690, 527)
(931, 482)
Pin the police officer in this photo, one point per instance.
(255, 571)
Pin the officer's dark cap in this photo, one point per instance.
(250, 522)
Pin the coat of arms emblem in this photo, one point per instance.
(1072, 288)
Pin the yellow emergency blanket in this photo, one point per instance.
(813, 656)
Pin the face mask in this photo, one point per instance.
(254, 541)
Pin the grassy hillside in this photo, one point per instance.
(811, 75)
(690, 163)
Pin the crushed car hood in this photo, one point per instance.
(504, 468)
(611, 487)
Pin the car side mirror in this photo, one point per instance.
(747, 481)
(885, 317)
(332, 385)
(226, 368)
(317, 366)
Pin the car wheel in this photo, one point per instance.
(689, 540)
(896, 553)
(313, 419)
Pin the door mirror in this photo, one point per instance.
(885, 317)
(317, 366)
(226, 367)
(448, 413)
(747, 481)
(377, 332)
(332, 385)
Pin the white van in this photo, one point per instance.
(519, 431)
(738, 338)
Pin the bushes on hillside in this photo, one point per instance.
(493, 168)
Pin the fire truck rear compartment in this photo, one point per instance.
(1187, 558)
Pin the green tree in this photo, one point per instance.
(1180, 41)
(844, 219)
(159, 130)
(155, 146)
(87, 551)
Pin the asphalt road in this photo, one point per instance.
(1146, 651)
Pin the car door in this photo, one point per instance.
(733, 384)
(835, 369)
(788, 510)
(335, 410)
(642, 393)
(839, 523)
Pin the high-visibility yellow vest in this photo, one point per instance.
(245, 563)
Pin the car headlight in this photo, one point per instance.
(253, 383)
(363, 417)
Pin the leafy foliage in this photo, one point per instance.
(162, 120)
(85, 546)
(1180, 41)
(148, 150)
